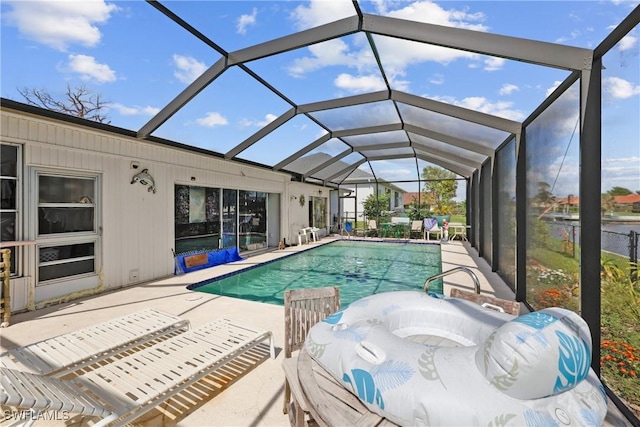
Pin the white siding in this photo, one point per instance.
(137, 225)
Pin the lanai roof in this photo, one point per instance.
(388, 125)
(378, 125)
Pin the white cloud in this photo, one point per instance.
(437, 79)
(319, 12)
(246, 20)
(268, 118)
(478, 103)
(572, 36)
(212, 119)
(622, 172)
(628, 42)
(188, 68)
(59, 24)
(432, 13)
(396, 54)
(89, 69)
(622, 160)
(329, 53)
(508, 89)
(397, 174)
(359, 84)
(493, 63)
(135, 110)
(619, 88)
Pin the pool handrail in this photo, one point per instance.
(476, 282)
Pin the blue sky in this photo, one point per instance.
(139, 60)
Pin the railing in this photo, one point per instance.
(5, 273)
(476, 282)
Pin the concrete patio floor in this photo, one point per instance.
(254, 397)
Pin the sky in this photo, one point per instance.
(138, 61)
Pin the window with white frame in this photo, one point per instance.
(67, 228)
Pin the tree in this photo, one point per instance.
(440, 187)
(376, 207)
(79, 102)
(619, 191)
(417, 210)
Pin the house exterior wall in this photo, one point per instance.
(136, 231)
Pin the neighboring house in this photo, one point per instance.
(409, 198)
(568, 204)
(628, 203)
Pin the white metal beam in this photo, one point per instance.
(466, 114)
(183, 98)
(451, 140)
(525, 50)
(297, 40)
(282, 119)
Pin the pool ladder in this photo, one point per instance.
(476, 282)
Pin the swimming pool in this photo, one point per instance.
(358, 268)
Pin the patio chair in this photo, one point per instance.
(122, 390)
(431, 227)
(372, 228)
(66, 353)
(416, 228)
(303, 308)
(348, 228)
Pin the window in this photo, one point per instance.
(65, 204)
(67, 227)
(229, 218)
(197, 219)
(9, 207)
(253, 220)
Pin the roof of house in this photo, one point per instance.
(629, 198)
(408, 198)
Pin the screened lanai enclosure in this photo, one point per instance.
(531, 177)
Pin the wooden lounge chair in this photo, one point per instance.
(122, 390)
(303, 308)
(65, 353)
(488, 301)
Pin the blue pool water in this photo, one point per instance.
(358, 268)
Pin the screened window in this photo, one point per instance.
(66, 216)
(65, 204)
(66, 260)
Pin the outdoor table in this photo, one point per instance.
(459, 230)
(330, 403)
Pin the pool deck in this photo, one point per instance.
(255, 397)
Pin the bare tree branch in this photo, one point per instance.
(79, 102)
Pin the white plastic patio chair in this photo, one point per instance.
(431, 227)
